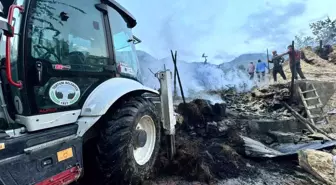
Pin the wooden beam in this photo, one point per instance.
(174, 56)
(293, 72)
(306, 122)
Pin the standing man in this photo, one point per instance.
(250, 70)
(277, 67)
(261, 69)
(294, 64)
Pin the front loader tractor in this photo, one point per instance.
(70, 76)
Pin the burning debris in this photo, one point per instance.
(215, 141)
(212, 145)
(262, 103)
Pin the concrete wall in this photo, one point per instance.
(324, 89)
(263, 126)
(259, 130)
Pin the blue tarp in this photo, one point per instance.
(290, 149)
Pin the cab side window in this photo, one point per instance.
(69, 33)
(126, 59)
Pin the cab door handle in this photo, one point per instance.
(39, 68)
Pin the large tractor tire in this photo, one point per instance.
(129, 141)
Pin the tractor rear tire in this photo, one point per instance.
(124, 156)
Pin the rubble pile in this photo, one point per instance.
(262, 103)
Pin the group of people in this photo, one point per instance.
(278, 60)
(260, 69)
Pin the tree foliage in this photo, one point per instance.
(324, 30)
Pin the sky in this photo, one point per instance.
(222, 29)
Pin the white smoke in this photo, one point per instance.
(196, 77)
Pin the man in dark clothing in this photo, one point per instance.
(294, 65)
(325, 51)
(277, 68)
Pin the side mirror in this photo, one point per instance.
(6, 28)
(1, 7)
(136, 40)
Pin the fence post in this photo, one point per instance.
(293, 71)
(177, 73)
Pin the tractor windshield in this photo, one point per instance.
(70, 33)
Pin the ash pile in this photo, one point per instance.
(213, 144)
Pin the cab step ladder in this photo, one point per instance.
(312, 103)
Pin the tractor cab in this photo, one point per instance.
(70, 84)
(59, 52)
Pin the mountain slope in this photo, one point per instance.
(244, 60)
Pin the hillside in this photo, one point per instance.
(244, 60)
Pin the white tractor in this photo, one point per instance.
(70, 75)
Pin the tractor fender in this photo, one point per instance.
(103, 96)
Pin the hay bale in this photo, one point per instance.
(209, 111)
(199, 111)
(192, 114)
(205, 108)
(332, 57)
(319, 164)
(310, 54)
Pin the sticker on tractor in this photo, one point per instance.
(18, 105)
(124, 68)
(64, 93)
(2, 146)
(64, 154)
(61, 67)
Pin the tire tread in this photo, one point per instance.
(117, 165)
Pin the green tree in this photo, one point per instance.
(324, 30)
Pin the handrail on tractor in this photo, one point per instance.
(8, 48)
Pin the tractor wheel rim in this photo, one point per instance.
(143, 154)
